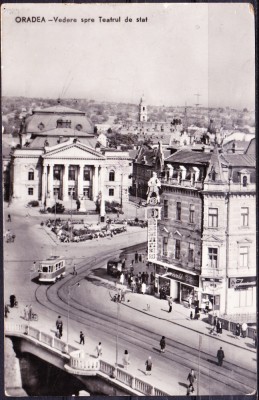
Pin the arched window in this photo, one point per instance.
(111, 176)
(245, 180)
(31, 175)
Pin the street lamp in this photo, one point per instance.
(70, 287)
(55, 197)
(117, 331)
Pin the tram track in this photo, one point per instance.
(55, 296)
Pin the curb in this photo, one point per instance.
(191, 329)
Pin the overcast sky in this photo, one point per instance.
(182, 50)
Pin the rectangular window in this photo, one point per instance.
(56, 174)
(191, 213)
(71, 174)
(243, 256)
(244, 216)
(177, 249)
(212, 257)
(165, 246)
(191, 252)
(30, 191)
(178, 211)
(244, 298)
(31, 176)
(213, 217)
(111, 192)
(86, 174)
(165, 208)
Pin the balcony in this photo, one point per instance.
(183, 183)
(212, 272)
(169, 259)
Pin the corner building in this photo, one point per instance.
(207, 234)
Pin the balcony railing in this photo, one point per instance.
(212, 272)
(183, 183)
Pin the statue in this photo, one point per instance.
(153, 188)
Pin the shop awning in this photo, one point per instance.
(168, 266)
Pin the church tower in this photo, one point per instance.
(142, 110)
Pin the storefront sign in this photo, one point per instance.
(242, 283)
(212, 286)
(192, 280)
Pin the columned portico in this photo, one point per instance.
(80, 180)
(43, 187)
(65, 182)
(95, 181)
(50, 182)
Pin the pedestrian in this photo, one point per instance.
(30, 312)
(218, 326)
(215, 320)
(99, 350)
(191, 315)
(143, 288)
(26, 313)
(59, 325)
(126, 359)
(190, 301)
(6, 310)
(170, 302)
(191, 378)
(162, 345)
(237, 332)
(136, 257)
(9, 218)
(34, 266)
(140, 258)
(220, 356)
(148, 366)
(12, 300)
(74, 270)
(122, 279)
(244, 329)
(82, 338)
(119, 295)
(255, 339)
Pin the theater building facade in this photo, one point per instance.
(59, 158)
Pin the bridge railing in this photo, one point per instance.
(78, 361)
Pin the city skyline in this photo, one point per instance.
(181, 50)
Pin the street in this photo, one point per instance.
(90, 309)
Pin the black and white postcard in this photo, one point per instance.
(129, 199)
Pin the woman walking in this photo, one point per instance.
(162, 345)
(148, 366)
(126, 359)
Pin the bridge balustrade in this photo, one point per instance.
(78, 361)
(46, 338)
(106, 368)
(143, 387)
(124, 377)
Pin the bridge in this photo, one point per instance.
(97, 375)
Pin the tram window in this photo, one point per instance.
(44, 269)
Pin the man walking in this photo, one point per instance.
(170, 302)
(220, 356)
(162, 345)
(191, 378)
(82, 338)
(59, 325)
(99, 350)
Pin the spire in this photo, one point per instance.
(215, 173)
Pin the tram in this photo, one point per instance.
(52, 269)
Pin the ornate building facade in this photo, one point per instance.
(207, 234)
(59, 158)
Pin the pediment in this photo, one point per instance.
(73, 151)
(212, 238)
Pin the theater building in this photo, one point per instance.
(60, 158)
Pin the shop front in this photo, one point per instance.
(242, 295)
(212, 294)
(181, 285)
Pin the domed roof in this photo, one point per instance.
(48, 119)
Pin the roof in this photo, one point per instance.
(39, 141)
(132, 153)
(189, 157)
(46, 120)
(240, 145)
(239, 160)
(68, 132)
(58, 109)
